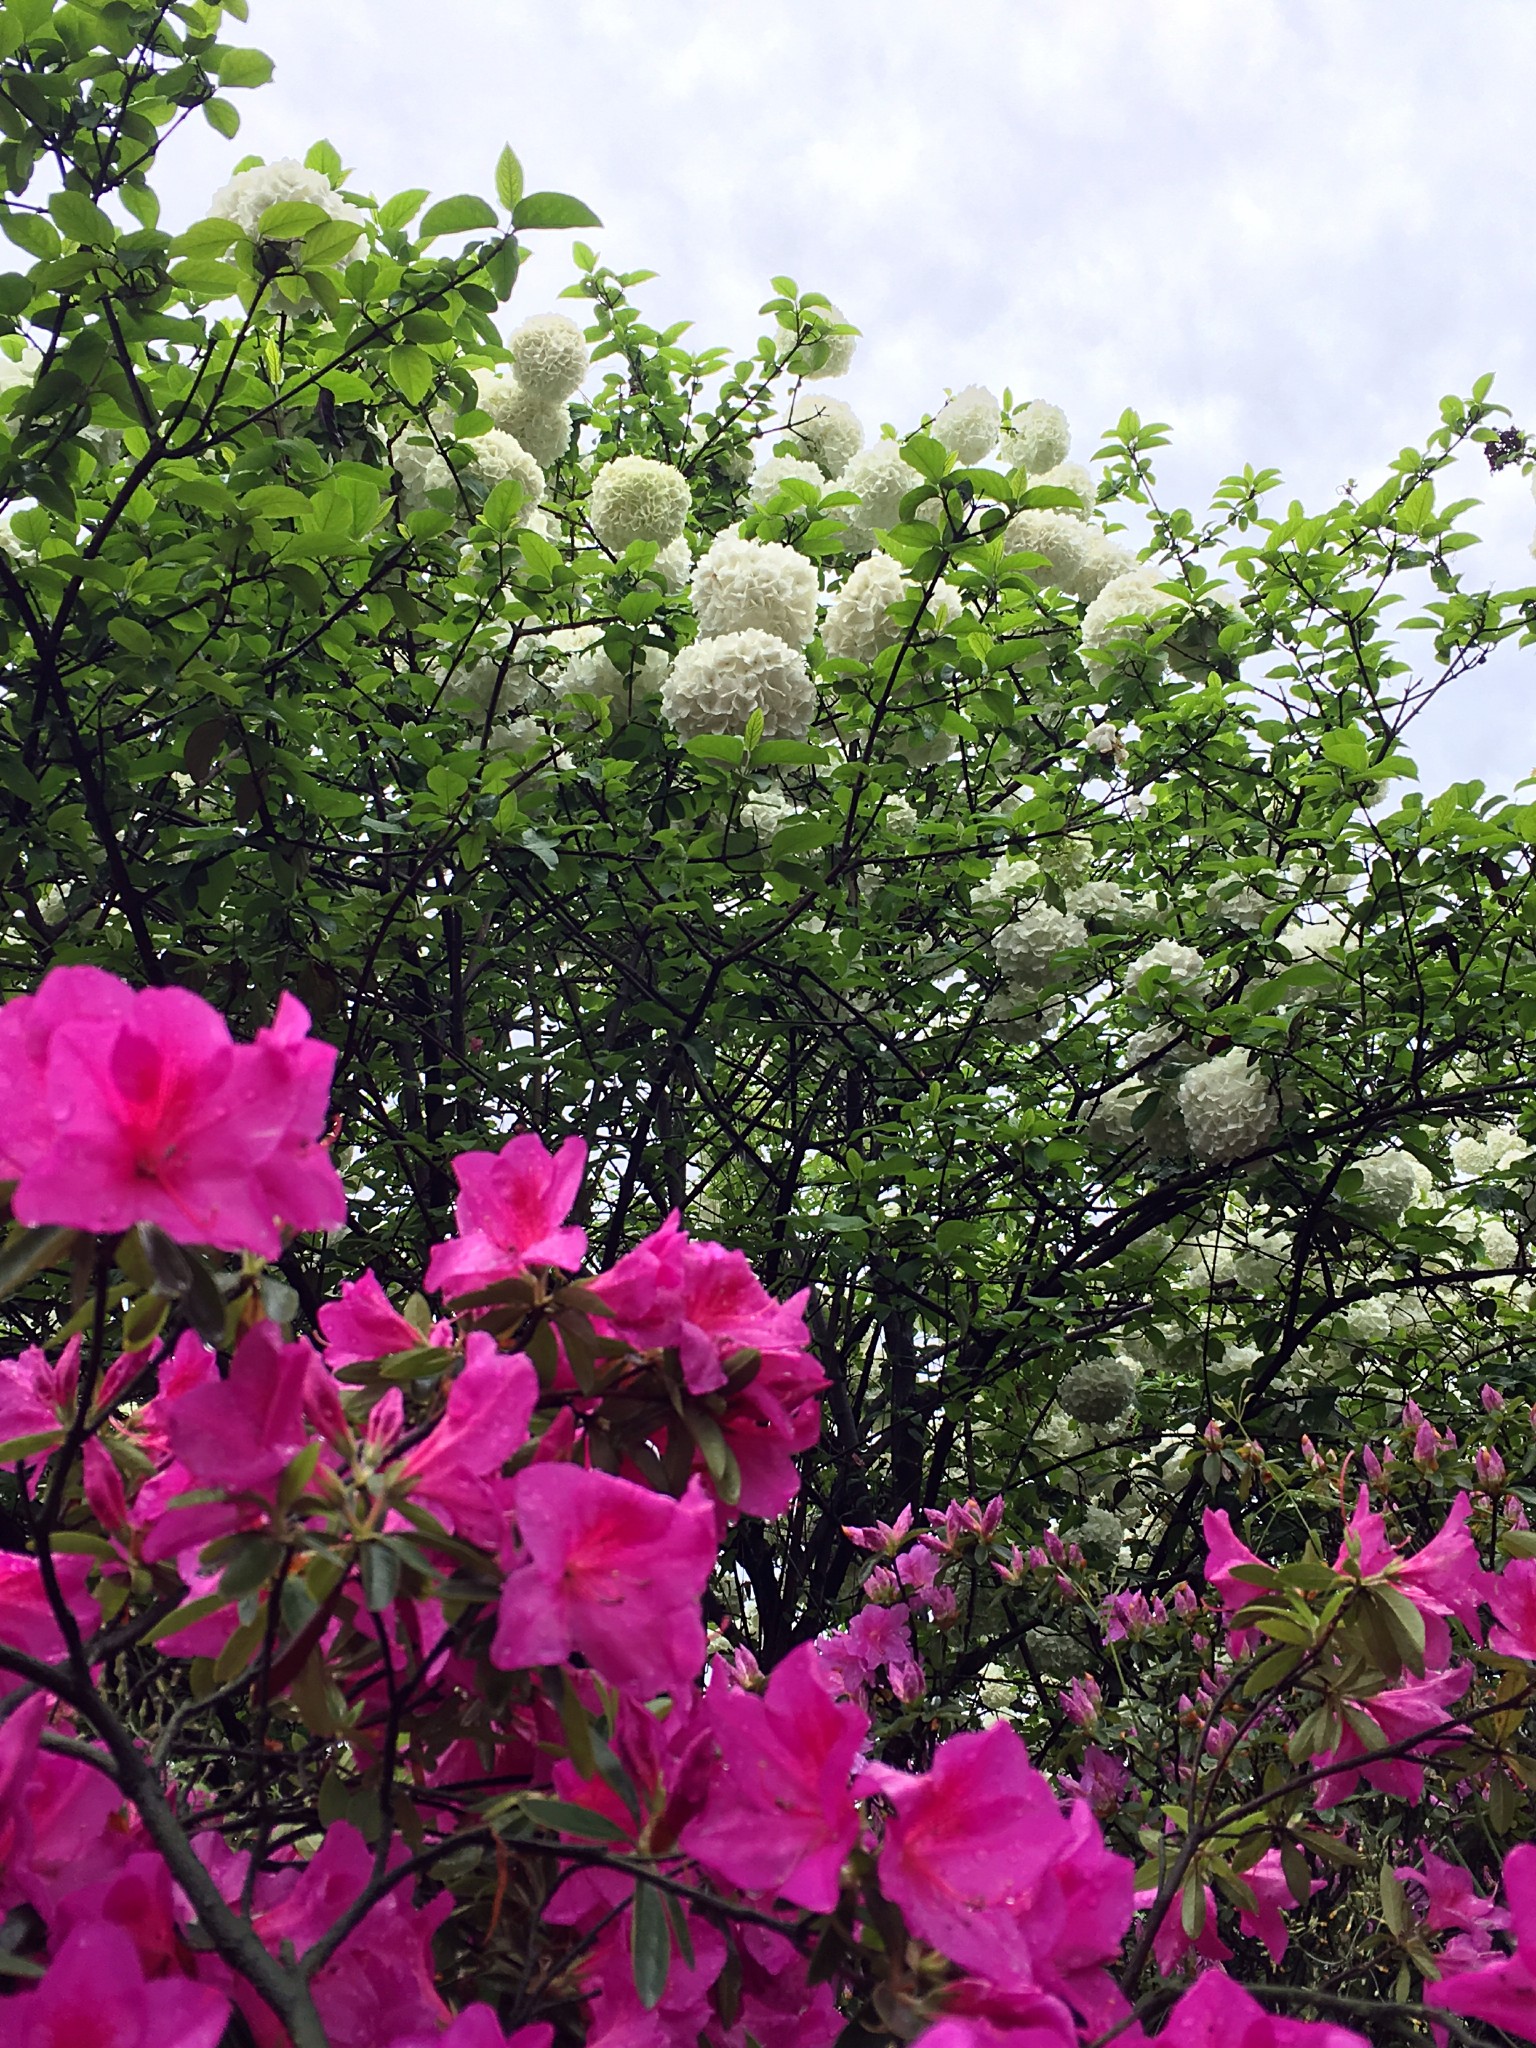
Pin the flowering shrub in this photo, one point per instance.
(993, 902)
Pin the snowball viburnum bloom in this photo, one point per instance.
(781, 1817)
(609, 1570)
(138, 1107)
(511, 1215)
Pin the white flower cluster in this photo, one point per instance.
(1228, 1106)
(1262, 1263)
(1107, 902)
(1038, 439)
(898, 816)
(1080, 558)
(18, 370)
(1497, 1146)
(1369, 1322)
(542, 425)
(493, 457)
(1121, 612)
(591, 673)
(1014, 876)
(859, 623)
(716, 684)
(880, 477)
(839, 347)
(634, 499)
(740, 584)
(968, 424)
(1029, 949)
(549, 356)
(1071, 476)
(827, 430)
(765, 811)
(1391, 1181)
(778, 469)
(1098, 1389)
(1317, 937)
(1186, 968)
(1239, 903)
(249, 193)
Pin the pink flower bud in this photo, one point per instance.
(1426, 1447)
(1491, 1398)
(1185, 1600)
(1489, 1467)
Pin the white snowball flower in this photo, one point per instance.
(249, 193)
(1228, 1107)
(674, 564)
(1071, 476)
(1239, 903)
(717, 684)
(1317, 937)
(1029, 949)
(634, 498)
(1080, 558)
(1013, 877)
(1500, 1245)
(1106, 901)
(898, 816)
(778, 469)
(542, 425)
(15, 371)
(880, 477)
(1369, 1322)
(549, 355)
(1263, 1262)
(859, 623)
(1121, 611)
(764, 811)
(828, 430)
(1098, 1389)
(592, 674)
(968, 424)
(1038, 439)
(1186, 968)
(740, 584)
(839, 347)
(495, 456)
(1391, 1181)
(419, 467)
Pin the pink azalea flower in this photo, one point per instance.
(95, 1996)
(364, 1324)
(490, 1403)
(1171, 1944)
(1216, 2013)
(1079, 1919)
(1266, 1879)
(778, 2008)
(886, 1536)
(608, 1569)
(684, 2011)
(478, 2027)
(65, 995)
(297, 1178)
(1502, 1992)
(1512, 1596)
(1442, 1579)
(240, 1432)
(1224, 1552)
(511, 1215)
(1451, 1899)
(158, 1116)
(1037, 2022)
(780, 1816)
(56, 1814)
(35, 1396)
(968, 1847)
(27, 1620)
(1406, 1710)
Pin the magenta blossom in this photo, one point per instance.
(26, 1618)
(1216, 2013)
(1443, 1579)
(66, 995)
(608, 1569)
(781, 1817)
(511, 1215)
(968, 1850)
(490, 1402)
(95, 1996)
(1502, 1992)
(152, 1114)
(1405, 1711)
(239, 1433)
(1512, 1596)
(1451, 1899)
(364, 1325)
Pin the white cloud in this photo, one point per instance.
(1286, 228)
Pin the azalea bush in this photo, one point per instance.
(481, 778)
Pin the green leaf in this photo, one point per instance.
(285, 220)
(405, 206)
(567, 1818)
(553, 210)
(323, 157)
(378, 1568)
(650, 1945)
(240, 69)
(411, 370)
(221, 116)
(82, 219)
(31, 1251)
(329, 242)
(457, 216)
(30, 231)
(509, 178)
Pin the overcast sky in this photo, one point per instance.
(1286, 227)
